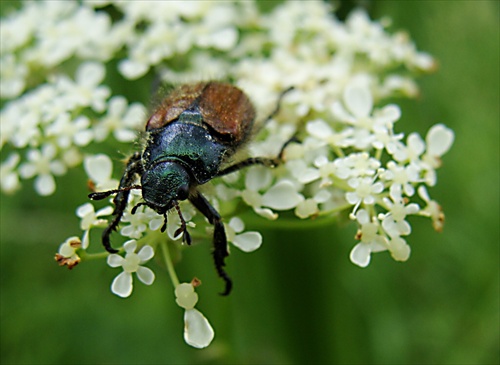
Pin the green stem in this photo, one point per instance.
(84, 255)
(170, 264)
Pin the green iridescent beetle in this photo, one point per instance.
(191, 138)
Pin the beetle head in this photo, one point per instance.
(164, 184)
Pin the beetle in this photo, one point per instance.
(190, 139)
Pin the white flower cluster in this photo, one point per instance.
(61, 64)
(53, 122)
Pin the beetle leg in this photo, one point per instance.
(270, 162)
(186, 237)
(220, 242)
(134, 166)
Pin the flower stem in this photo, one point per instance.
(169, 263)
(84, 255)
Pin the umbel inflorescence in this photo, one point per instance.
(61, 63)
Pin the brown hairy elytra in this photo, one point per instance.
(224, 108)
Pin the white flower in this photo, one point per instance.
(69, 131)
(371, 241)
(432, 209)
(67, 253)
(90, 218)
(282, 196)
(257, 178)
(326, 170)
(131, 263)
(9, 177)
(402, 176)
(99, 169)
(365, 190)
(155, 220)
(372, 127)
(68, 248)
(439, 140)
(185, 296)
(137, 224)
(302, 172)
(400, 251)
(355, 165)
(20, 125)
(71, 157)
(13, 74)
(42, 164)
(86, 90)
(415, 146)
(358, 103)
(62, 29)
(393, 221)
(121, 119)
(246, 241)
(307, 208)
(324, 134)
(197, 330)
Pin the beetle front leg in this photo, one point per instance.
(220, 241)
(134, 167)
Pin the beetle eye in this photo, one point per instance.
(183, 192)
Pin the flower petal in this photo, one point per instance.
(130, 246)
(237, 224)
(319, 129)
(84, 210)
(90, 73)
(257, 178)
(197, 330)
(358, 100)
(146, 253)
(115, 260)
(360, 255)
(104, 211)
(132, 70)
(146, 275)
(266, 213)
(248, 241)
(122, 285)
(86, 239)
(98, 167)
(306, 208)
(415, 143)
(390, 113)
(45, 184)
(439, 140)
(399, 249)
(282, 196)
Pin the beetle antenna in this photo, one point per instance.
(104, 194)
(275, 111)
(183, 228)
(278, 104)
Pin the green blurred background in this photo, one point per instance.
(298, 299)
